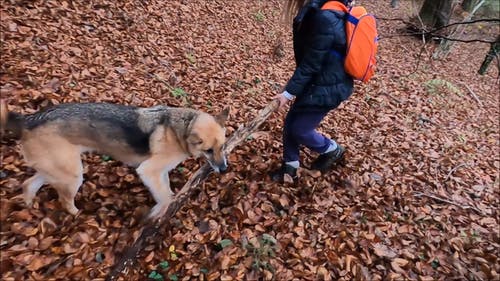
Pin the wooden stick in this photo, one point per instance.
(473, 95)
(152, 226)
(454, 169)
(462, 206)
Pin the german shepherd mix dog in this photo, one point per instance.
(154, 140)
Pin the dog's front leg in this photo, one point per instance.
(154, 175)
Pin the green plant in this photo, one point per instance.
(262, 249)
(439, 86)
(164, 265)
(178, 92)
(462, 139)
(106, 158)
(435, 263)
(259, 16)
(155, 276)
(224, 243)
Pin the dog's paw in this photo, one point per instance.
(158, 210)
(28, 201)
(73, 210)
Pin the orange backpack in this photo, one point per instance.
(362, 40)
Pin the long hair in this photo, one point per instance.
(291, 8)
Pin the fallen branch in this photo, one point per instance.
(454, 169)
(425, 119)
(390, 96)
(437, 198)
(152, 227)
(473, 95)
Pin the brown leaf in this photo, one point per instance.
(149, 257)
(47, 226)
(225, 262)
(382, 250)
(38, 262)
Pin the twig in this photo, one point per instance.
(152, 227)
(390, 96)
(158, 78)
(437, 198)
(419, 58)
(51, 267)
(439, 37)
(454, 169)
(473, 95)
(444, 26)
(427, 119)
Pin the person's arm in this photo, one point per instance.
(314, 56)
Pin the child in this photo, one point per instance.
(318, 84)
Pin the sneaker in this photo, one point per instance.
(278, 175)
(326, 160)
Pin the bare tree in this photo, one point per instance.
(445, 46)
(467, 5)
(493, 53)
(435, 13)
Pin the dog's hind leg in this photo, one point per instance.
(67, 188)
(59, 163)
(31, 187)
(66, 178)
(154, 174)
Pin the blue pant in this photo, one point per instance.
(300, 129)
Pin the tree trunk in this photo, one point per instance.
(435, 13)
(445, 46)
(493, 53)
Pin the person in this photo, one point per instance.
(318, 85)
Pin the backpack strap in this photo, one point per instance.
(350, 18)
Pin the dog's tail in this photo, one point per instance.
(10, 121)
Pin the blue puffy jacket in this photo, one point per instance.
(319, 81)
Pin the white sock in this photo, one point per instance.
(294, 164)
(332, 147)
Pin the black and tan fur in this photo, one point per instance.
(154, 140)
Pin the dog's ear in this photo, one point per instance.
(221, 118)
(194, 139)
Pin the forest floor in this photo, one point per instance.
(416, 200)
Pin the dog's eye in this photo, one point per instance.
(209, 151)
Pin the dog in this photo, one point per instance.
(153, 140)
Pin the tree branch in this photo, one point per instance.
(152, 226)
(463, 40)
(444, 26)
(439, 36)
(433, 31)
(437, 198)
(464, 22)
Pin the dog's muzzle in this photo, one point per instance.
(219, 167)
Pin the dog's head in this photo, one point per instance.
(207, 138)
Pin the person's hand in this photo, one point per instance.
(282, 99)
